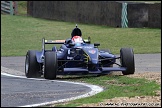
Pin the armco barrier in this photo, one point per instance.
(9, 7)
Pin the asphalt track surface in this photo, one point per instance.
(21, 91)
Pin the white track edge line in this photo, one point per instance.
(94, 88)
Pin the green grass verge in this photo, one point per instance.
(114, 86)
(21, 33)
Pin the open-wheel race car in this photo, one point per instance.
(76, 56)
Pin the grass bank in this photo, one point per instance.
(21, 33)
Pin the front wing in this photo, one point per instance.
(104, 70)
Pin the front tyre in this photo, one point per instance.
(32, 67)
(50, 65)
(127, 60)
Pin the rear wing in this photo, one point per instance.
(53, 41)
(44, 41)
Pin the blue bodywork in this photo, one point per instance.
(82, 58)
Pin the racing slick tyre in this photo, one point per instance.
(50, 65)
(32, 67)
(127, 60)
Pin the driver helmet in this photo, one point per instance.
(77, 39)
(76, 32)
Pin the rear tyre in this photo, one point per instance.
(32, 67)
(50, 65)
(127, 60)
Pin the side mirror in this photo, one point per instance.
(96, 44)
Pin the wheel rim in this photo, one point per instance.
(26, 65)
